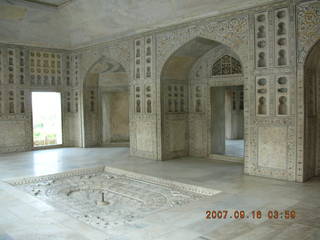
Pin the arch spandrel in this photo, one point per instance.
(118, 54)
(103, 65)
(308, 29)
(232, 32)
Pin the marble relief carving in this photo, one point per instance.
(232, 32)
(176, 98)
(11, 54)
(138, 58)
(308, 33)
(308, 26)
(45, 69)
(261, 39)
(138, 101)
(22, 65)
(148, 56)
(265, 52)
(142, 121)
(23, 70)
(281, 37)
(262, 96)
(282, 95)
(106, 197)
(226, 65)
(148, 98)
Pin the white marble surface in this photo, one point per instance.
(85, 22)
(235, 148)
(109, 198)
(25, 217)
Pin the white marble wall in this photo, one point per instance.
(24, 70)
(272, 76)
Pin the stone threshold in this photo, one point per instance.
(226, 158)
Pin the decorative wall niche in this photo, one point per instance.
(11, 54)
(143, 49)
(138, 99)
(282, 95)
(22, 104)
(281, 37)
(68, 102)
(11, 102)
(262, 96)
(22, 65)
(148, 57)
(75, 68)
(68, 71)
(148, 99)
(261, 39)
(76, 101)
(72, 70)
(176, 98)
(92, 101)
(198, 108)
(138, 58)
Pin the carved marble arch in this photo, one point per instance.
(102, 65)
(196, 49)
(178, 99)
(308, 34)
(226, 65)
(311, 162)
(105, 76)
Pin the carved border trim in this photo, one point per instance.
(100, 169)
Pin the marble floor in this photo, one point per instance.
(235, 147)
(23, 216)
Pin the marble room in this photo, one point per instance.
(159, 120)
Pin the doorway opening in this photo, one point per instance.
(186, 81)
(227, 121)
(46, 119)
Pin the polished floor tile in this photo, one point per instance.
(25, 217)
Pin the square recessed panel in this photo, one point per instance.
(107, 198)
(49, 3)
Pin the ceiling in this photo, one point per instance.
(76, 23)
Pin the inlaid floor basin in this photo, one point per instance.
(106, 197)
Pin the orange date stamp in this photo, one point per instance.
(255, 214)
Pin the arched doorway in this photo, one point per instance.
(312, 113)
(186, 83)
(106, 105)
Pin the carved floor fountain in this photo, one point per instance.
(107, 197)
